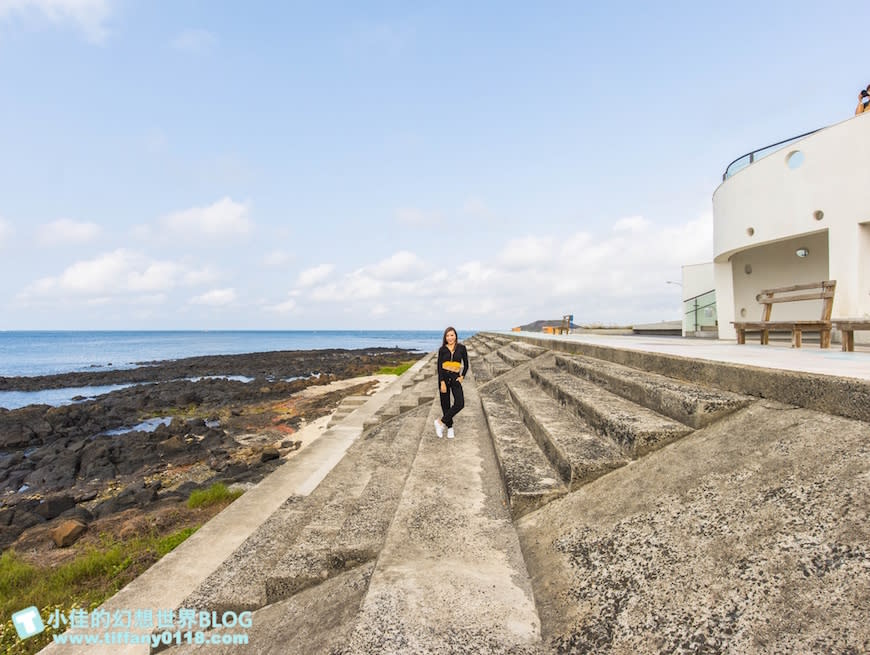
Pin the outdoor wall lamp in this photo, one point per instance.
(802, 252)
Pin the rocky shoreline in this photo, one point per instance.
(76, 465)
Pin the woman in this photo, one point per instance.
(452, 367)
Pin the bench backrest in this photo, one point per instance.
(816, 291)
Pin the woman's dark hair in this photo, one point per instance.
(444, 339)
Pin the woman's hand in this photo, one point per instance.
(461, 378)
(443, 386)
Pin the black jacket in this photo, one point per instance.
(460, 354)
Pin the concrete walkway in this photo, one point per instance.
(808, 359)
(451, 577)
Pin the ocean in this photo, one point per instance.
(47, 353)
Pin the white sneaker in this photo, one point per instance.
(439, 428)
(450, 434)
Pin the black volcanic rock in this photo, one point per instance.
(71, 454)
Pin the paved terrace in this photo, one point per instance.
(603, 495)
(779, 355)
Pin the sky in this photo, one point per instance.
(205, 164)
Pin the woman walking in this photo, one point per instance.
(452, 367)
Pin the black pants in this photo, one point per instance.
(458, 402)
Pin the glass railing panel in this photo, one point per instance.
(700, 312)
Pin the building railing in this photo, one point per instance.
(700, 312)
(745, 160)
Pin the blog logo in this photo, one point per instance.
(27, 622)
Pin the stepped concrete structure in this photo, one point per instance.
(603, 495)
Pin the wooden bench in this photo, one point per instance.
(848, 326)
(823, 291)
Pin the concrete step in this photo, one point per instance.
(529, 350)
(317, 621)
(511, 356)
(637, 429)
(578, 452)
(408, 401)
(691, 404)
(487, 344)
(451, 577)
(240, 582)
(478, 345)
(346, 407)
(350, 529)
(479, 371)
(497, 366)
(530, 479)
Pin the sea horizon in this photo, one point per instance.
(29, 353)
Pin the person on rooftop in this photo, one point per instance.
(863, 102)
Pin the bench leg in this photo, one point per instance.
(741, 336)
(825, 339)
(796, 338)
(848, 340)
(765, 334)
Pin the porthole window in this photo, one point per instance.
(818, 214)
(794, 159)
(750, 231)
(743, 312)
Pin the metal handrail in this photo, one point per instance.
(699, 295)
(752, 154)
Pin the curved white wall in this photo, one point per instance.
(778, 204)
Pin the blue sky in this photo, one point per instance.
(266, 165)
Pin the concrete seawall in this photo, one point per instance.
(596, 499)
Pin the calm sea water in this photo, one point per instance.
(45, 353)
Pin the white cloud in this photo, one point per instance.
(399, 276)
(65, 231)
(88, 16)
(474, 272)
(215, 298)
(398, 266)
(284, 307)
(224, 218)
(200, 276)
(114, 275)
(631, 224)
(154, 277)
(528, 251)
(610, 276)
(613, 277)
(311, 276)
(198, 42)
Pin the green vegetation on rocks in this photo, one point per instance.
(85, 582)
(396, 370)
(216, 493)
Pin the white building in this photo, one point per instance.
(797, 215)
